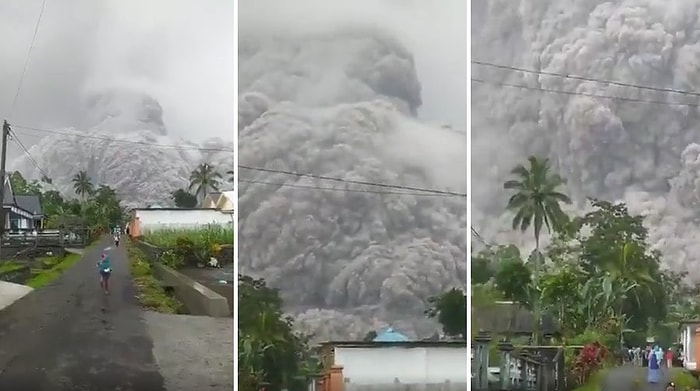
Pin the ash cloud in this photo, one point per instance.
(644, 154)
(342, 98)
(160, 72)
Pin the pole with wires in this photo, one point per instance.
(3, 175)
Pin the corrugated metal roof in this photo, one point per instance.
(30, 203)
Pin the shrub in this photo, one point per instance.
(167, 238)
(589, 360)
(172, 259)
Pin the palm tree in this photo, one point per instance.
(204, 179)
(82, 184)
(536, 202)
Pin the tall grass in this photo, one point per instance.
(167, 238)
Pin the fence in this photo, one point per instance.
(537, 368)
(77, 239)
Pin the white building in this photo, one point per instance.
(690, 339)
(406, 362)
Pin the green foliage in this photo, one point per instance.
(9, 266)
(268, 349)
(97, 210)
(44, 277)
(211, 234)
(514, 279)
(172, 259)
(21, 186)
(184, 199)
(536, 199)
(190, 246)
(599, 277)
(204, 179)
(150, 293)
(450, 309)
(82, 184)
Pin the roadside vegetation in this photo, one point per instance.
(10, 266)
(50, 269)
(150, 293)
(93, 212)
(190, 247)
(597, 276)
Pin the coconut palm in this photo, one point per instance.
(536, 200)
(82, 184)
(536, 203)
(204, 179)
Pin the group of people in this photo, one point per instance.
(640, 356)
(655, 358)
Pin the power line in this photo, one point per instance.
(26, 60)
(583, 78)
(384, 185)
(574, 93)
(155, 145)
(341, 189)
(33, 161)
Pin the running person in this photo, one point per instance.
(105, 268)
(116, 240)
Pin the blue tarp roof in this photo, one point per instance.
(389, 335)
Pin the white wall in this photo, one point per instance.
(154, 219)
(688, 341)
(414, 365)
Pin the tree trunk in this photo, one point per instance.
(537, 300)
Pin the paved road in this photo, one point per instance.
(632, 378)
(70, 336)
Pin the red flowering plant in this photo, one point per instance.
(589, 360)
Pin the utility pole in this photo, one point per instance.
(3, 174)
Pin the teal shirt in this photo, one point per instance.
(104, 265)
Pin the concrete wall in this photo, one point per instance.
(406, 365)
(197, 298)
(17, 276)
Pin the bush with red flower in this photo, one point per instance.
(590, 359)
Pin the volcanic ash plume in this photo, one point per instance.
(346, 261)
(119, 147)
(645, 154)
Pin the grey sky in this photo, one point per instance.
(435, 31)
(179, 51)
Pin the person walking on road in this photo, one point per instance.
(654, 372)
(105, 268)
(668, 358)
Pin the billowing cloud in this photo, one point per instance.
(157, 72)
(343, 98)
(642, 153)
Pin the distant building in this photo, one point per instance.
(22, 212)
(690, 340)
(219, 200)
(390, 359)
